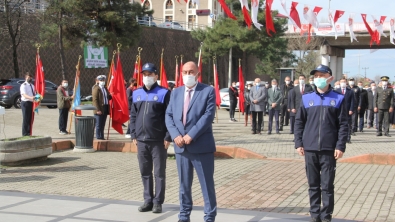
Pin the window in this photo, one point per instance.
(169, 4)
(191, 18)
(169, 18)
(191, 4)
(215, 6)
(147, 4)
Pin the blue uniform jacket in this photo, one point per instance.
(322, 122)
(147, 114)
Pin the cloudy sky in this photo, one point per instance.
(378, 63)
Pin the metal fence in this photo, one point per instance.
(162, 23)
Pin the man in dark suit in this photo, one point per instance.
(383, 102)
(275, 97)
(257, 107)
(372, 116)
(100, 100)
(296, 97)
(189, 119)
(349, 102)
(233, 95)
(363, 107)
(284, 119)
(357, 104)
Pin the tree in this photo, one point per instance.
(228, 33)
(307, 56)
(11, 20)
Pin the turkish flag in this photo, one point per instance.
(39, 82)
(226, 9)
(247, 17)
(216, 85)
(163, 76)
(295, 15)
(269, 19)
(119, 102)
(373, 34)
(241, 90)
(338, 14)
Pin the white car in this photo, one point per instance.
(171, 25)
(224, 94)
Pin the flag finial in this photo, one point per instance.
(38, 45)
(176, 58)
(119, 45)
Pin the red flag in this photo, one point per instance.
(226, 9)
(39, 86)
(241, 89)
(295, 15)
(247, 17)
(186, 1)
(180, 81)
(216, 85)
(338, 14)
(119, 102)
(163, 76)
(200, 64)
(373, 34)
(269, 19)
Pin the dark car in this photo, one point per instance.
(10, 93)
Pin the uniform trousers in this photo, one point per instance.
(63, 114)
(27, 113)
(152, 155)
(320, 171)
(383, 119)
(284, 114)
(275, 113)
(101, 122)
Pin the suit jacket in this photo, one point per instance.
(370, 99)
(357, 97)
(383, 99)
(275, 97)
(64, 102)
(290, 95)
(364, 99)
(348, 99)
(285, 90)
(98, 99)
(200, 116)
(260, 95)
(296, 96)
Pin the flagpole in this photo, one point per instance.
(161, 63)
(215, 85)
(139, 49)
(239, 88)
(74, 92)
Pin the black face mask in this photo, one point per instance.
(29, 80)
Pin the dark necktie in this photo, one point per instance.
(186, 105)
(104, 96)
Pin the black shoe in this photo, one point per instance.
(123, 125)
(268, 133)
(259, 133)
(387, 135)
(315, 219)
(349, 141)
(253, 132)
(281, 128)
(326, 220)
(353, 134)
(361, 131)
(379, 134)
(291, 132)
(146, 207)
(286, 125)
(157, 208)
(278, 133)
(293, 140)
(184, 220)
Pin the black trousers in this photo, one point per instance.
(383, 119)
(257, 126)
(101, 122)
(63, 115)
(232, 108)
(292, 122)
(320, 171)
(354, 121)
(27, 113)
(361, 119)
(275, 113)
(152, 156)
(284, 113)
(349, 127)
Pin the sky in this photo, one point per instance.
(379, 62)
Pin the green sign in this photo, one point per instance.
(95, 57)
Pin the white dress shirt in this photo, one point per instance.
(26, 89)
(193, 91)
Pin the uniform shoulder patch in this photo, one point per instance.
(333, 102)
(311, 103)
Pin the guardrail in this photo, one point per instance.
(162, 23)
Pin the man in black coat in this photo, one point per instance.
(284, 118)
(350, 104)
(363, 107)
(357, 105)
(372, 116)
(233, 94)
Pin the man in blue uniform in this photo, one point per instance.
(320, 135)
(148, 131)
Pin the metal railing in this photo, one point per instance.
(162, 23)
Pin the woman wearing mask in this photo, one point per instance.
(64, 104)
(247, 104)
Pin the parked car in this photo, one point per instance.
(171, 25)
(224, 94)
(146, 21)
(10, 93)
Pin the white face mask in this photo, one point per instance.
(233, 86)
(274, 86)
(287, 82)
(148, 81)
(351, 83)
(248, 88)
(311, 82)
(373, 88)
(301, 81)
(337, 86)
(102, 83)
(384, 83)
(65, 85)
(343, 85)
(189, 80)
(360, 87)
(267, 85)
(296, 84)
(258, 83)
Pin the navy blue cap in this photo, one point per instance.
(323, 69)
(149, 67)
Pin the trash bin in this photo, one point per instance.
(84, 131)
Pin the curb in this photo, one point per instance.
(371, 158)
